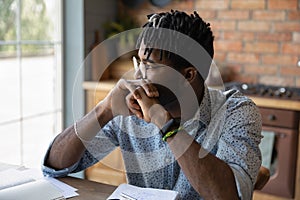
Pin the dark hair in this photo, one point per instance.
(190, 25)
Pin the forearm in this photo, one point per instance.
(209, 176)
(67, 148)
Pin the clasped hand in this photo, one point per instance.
(138, 97)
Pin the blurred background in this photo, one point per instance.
(30, 78)
(43, 44)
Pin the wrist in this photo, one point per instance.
(159, 115)
(173, 125)
(171, 133)
(87, 127)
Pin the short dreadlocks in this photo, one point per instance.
(191, 25)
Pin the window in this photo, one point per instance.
(30, 79)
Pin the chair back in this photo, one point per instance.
(262, 178)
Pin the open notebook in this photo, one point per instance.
(20, 183)
(131, 192)
(40, 189)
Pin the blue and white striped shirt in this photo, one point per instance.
(227, 124)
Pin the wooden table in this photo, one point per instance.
(88, 189)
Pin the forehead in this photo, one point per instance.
(154, 56)
(144, 55)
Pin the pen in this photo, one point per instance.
(127, 197)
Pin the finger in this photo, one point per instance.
(129, 85)
(150, 90)
(137, 113)
(137, 82)
(149, 87)
(133, 106)
(139, 93)
(132, 103)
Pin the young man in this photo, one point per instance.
(180, 135)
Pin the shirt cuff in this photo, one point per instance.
(243, 182)
(50, 172)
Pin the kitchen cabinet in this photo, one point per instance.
(285, 112)
(111, 169)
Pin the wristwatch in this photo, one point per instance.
(172, 124)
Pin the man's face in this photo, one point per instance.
(160, 73)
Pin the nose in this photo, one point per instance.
(138, 74)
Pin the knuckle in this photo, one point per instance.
(139, 88)
(136, 91)
(128, 97)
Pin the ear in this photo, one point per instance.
(190, 74)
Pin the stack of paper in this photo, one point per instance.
(18, 182)
(131, 192)
(35, 190)
(66, 190)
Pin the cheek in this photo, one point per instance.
(161, 78)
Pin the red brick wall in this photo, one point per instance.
(259, 40)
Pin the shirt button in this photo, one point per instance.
(167, 160)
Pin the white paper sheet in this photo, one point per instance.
(35, 190)
(67, 190)
(139, 193)
(11, 175)
(5, 166)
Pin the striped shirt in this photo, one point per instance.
(227, 124)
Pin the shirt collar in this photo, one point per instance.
(203, 113)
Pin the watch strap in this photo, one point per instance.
(172, 124)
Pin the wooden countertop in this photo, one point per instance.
(277, 103)
(102, 85)
(260, 101)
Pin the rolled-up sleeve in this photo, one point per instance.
(103, 143)
(243, 182)
(239, 145)
(86, 161)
